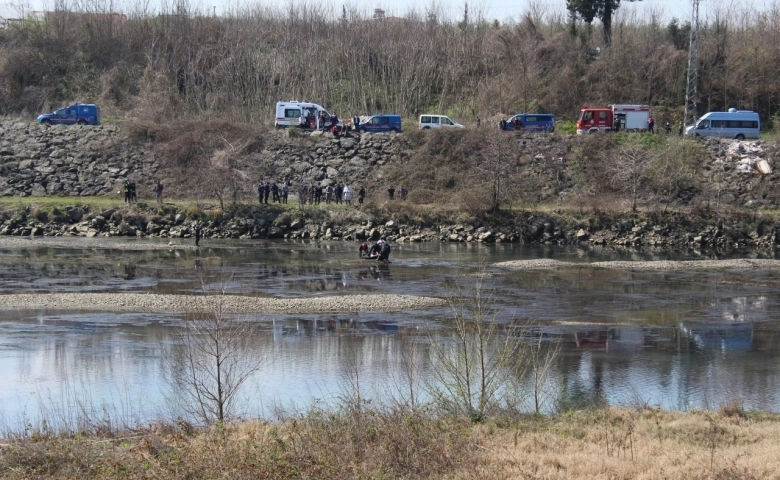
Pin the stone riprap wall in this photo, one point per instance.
(36, 160)
(316, 159)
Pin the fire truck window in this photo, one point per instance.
(588, 116)
(602, 116)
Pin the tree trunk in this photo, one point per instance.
(606, 21)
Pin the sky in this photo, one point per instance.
(665, 10)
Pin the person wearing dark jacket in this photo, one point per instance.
(198, 229)
(384, 251)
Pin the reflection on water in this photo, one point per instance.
(678, 339)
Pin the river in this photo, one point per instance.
(679, 340)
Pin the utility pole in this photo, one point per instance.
(692, 87)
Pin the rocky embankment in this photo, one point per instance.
(36, 160)
(521, 228)
(87, 161)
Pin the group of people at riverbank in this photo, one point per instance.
(402, 193)
(277, 193)
(130, 191)
(310, 193)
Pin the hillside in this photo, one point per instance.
(187, 63)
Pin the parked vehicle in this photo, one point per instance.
(380, 122)
(76, 114)
(739, 124)
(288, 114)
(629, 118)
(535, 122)
(436, 121)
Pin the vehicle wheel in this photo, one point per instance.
(81, 122)
(393, 130)
(426, 128)
(46, 122)
(740, 137)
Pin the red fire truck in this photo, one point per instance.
(629, 118)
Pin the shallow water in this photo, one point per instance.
(680, 340)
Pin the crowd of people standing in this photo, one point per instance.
(130, 191)
(313, 194)
(271, 189)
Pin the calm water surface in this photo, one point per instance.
(680, 340)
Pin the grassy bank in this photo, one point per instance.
(399, 443)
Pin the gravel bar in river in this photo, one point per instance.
(658, 265)
(131, 302)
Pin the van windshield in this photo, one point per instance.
(703, 124)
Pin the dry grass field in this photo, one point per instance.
(360, 443)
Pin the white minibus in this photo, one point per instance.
(739, 124)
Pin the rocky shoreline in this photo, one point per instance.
(259, 222)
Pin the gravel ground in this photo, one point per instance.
(129, 302)
(97, 242)
(660, 265)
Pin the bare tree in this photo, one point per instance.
(470, 365)
(628, 172)
(495, 166)
(215, 357)
(542, 357)
(405, 389)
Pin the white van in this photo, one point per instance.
(288, 114)
(436, 121)
(739, 124)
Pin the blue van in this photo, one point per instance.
(380, 123)
(533, 122)
(76, 114)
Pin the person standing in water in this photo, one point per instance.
(198, 230)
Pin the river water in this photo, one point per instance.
(679, 340)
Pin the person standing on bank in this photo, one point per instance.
(348, 194)
(158, 189)
(650, 125)
(361, 195)
(391, 192)
(198, 230)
